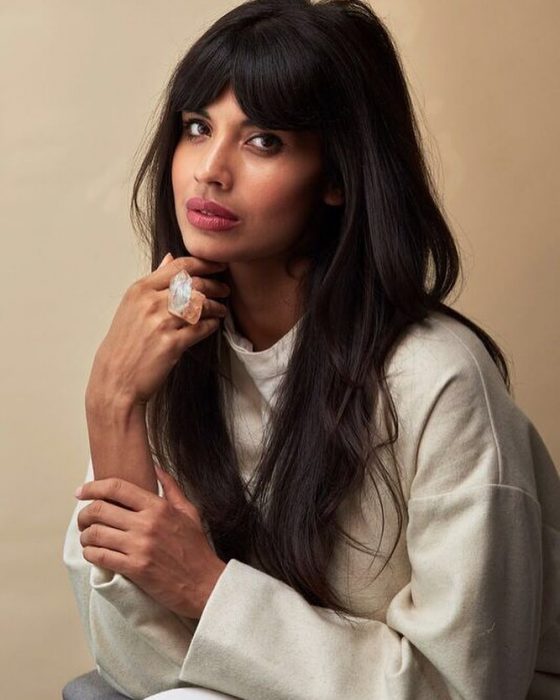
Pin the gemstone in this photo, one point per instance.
(184, 301)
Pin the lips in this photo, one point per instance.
(207, 205)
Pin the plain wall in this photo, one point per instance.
(79, 81)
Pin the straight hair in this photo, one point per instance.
(380, 263)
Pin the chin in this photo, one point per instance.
(206, 252)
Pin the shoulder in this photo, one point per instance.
(459, 426)
(441, 346)
(441, 355)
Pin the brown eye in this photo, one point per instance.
(187, 123)
(273, 147)
(276, 142)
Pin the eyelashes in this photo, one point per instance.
(277, 143)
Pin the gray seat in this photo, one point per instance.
(90, 686)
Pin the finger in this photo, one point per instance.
(203, 329)
(97, 535)
(160, 278)
(165, 260)
(107, 559)
(107, 513)
(173, 491)
(213, 309)
(174, 494)
(206, 285)
(118, 491)
(210, 287)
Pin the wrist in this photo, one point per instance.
(104, 392)
(111, 406)
(119, 444)
(211, 582)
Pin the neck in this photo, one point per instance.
(265, 302)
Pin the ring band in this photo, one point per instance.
(184, 301)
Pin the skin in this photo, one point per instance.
(274, 191)
(159, 542)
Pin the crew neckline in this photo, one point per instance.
(261, 364)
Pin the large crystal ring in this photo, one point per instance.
(184, 301)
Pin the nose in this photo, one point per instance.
(214, 164)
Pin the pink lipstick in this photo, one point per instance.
(209, 215)
(210, 222)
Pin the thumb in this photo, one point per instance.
(167, 258)
(175, 496)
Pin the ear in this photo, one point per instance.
(333, 196)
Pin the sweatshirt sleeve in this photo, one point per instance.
(464, 627)
(137, 644)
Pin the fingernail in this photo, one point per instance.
(78, 492)
(165, 260)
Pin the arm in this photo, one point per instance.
(118, 441)
(138, 645)
(444, 637)
(465, 627)
(121, 621)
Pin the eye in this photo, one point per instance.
(276, 141)
(187, 123)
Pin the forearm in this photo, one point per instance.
(128, 633)
(118, 440)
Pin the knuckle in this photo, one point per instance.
(97, 507)
(90, 535)
(137, 289)
(149, 527)
(211, 324)
(198, 284)
(142, 564)
(115, 486)
(151, 303)
(102, 558)
(217, 308)
(93, 535)
(183, 263)
(148, 547)
(166, 328)
(170, 347)
(161, 508)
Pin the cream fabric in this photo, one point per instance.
(468, 607)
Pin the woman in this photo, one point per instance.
(350, 504)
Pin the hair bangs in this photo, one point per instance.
(202, 75)
(276, 78)
(276, 74)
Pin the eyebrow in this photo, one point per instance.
(245, 122)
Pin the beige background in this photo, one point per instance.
(79, 80)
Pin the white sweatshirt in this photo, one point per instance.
(468, 607)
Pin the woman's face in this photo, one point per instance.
(271, 180)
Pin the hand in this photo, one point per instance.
(144, 340)
(158, 543)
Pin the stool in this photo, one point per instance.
(91, 686)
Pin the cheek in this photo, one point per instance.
(174, 171)
(178, 171)
(289, 195)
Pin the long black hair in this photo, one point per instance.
(383, 261)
